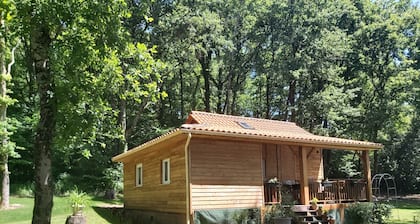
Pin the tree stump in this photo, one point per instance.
(76, 219)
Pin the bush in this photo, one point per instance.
(22, 190)
(366, 213)
(63, 184)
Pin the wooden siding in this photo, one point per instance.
(315, 164)
(225, 174)
(283, 162)
(153, 195)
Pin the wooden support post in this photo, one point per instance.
(367, 174)
(304, 186)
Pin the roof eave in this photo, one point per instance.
(122, 156)
(321, 144)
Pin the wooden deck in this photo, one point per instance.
(327, 192)
(339, 190)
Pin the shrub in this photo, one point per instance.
(63, 184)
(366, 213)
(22, 190)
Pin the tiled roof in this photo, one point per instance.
(210, 124)
(266, 129)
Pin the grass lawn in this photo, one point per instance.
(95, 213)
(405, 211)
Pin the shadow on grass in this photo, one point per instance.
(117, 201)
(111, 214)
(406, 204)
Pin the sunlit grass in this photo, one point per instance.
(405, 211)
(61, 209)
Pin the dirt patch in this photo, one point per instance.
(13, 206)
(107, 205)
(412, 197)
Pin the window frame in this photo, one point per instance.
(168, 170)
(139, 176)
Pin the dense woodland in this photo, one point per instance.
(82, 81)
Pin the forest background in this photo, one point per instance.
(82, 81)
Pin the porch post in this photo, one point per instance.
(304, 186)
(367, 174)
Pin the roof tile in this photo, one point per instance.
(220, 123)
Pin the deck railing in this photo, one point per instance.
(338, 191)
(330, 191)
(272, 193)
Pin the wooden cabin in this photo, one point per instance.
(215, 164)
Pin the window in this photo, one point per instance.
(245, 125)
(139, 175)
(166, 171)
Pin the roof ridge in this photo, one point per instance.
(242, 117)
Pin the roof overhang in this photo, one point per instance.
(319, 142)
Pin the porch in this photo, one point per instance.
(298, 173)
(333, 191)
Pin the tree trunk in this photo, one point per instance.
(291, 101)
(40, 44)
(181, 79)
(205, 72)
(123, 123)
(267, 97)
(5, 193)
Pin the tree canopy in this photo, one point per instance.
(92, 79)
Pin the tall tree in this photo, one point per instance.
(58, 65)
(7, 11)
(380, 42)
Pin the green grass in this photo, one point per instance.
(95, 213)
(405, 211)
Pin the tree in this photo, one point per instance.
(7, 10)
(46, 27)
(380, 42)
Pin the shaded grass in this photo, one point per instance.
(61, 209)
(405, 211)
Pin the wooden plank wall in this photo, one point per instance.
(315, 164)
(225, 174)
(283, 162)
(153, 195)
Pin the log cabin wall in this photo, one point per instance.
(153, 195)
(283, 162)
(225, 174)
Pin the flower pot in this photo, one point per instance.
(78, 210)
(281, 220)
(314, 206)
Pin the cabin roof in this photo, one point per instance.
(219, 125)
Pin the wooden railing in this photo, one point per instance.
(272, 193)
(331, 191)
(281, 193)
(338, 191)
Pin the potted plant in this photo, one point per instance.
(314, 204)
(279, 214)
(319, 211)
(78, 200)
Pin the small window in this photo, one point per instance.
(245, 125)
(139, 175)
(166, 171)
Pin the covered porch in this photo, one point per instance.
(295, 173)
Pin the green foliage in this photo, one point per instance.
(127, 71)
(112, 178)
(364, 213)
(22, 190)
(78, 198)
(278, 211)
